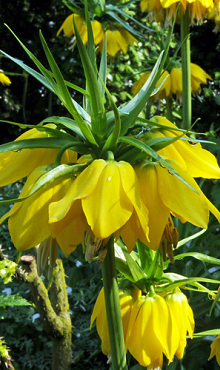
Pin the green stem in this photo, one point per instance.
(169, 108)
(113, 310)
(185, 51)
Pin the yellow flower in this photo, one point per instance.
(104, 199)
(127, 298)
(215, 349)
(197, 161)
(183, 315)
(215, 14)
(165, 89)
(163, 193)
(173, 83)
(68, 28)
(4, 80)
(15, 165)
(117, 39)
(164, 10)
(28, 220)
(107, 195)
(152, 330)
(159, 325)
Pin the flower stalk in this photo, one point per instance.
(185, 53)
(113, 310)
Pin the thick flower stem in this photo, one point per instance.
(113, 310)
(185, 52)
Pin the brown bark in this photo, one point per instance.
(53, 310)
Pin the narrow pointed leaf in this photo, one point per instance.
(98, 115)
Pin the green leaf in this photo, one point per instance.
(134, 269)
(132, 109)
(194, 281)
(64, 94)
(98, 115)
(150, 152)
(103, 68)
(59, 172)
(125, 24)
(66, 122)
(214, 303)
(49, 142)
(59, 90)
(13, 300)
(207, 333)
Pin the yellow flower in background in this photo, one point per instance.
(215, 349)
(107, 194)
(173, 82)
(197, 161)
(159, 326)
(164, 10)
(127, 298)
(163, 193)
(15, 165)
(165, 89)
(68, 28)
(215, 14)
(4, 80)
(117, 38)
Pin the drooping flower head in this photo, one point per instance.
(127, 299)
(159, 326)
(215, 14)
(164, 10)
(104, 199)
(173, 82)
(118, 38)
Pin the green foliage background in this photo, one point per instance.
(25, 101)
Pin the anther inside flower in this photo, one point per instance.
(169, 240)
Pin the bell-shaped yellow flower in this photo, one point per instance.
(173, 82)
(15, 165)
(164, 91)
(117, 39)
(68, 28)
(152, 330)
(183, 315)
(28, 220)
(127, 298)
(164, 10)
(215, 349)
(107, 195)
(215, 14)
(4, 80)
(163, 193)
(197, 161)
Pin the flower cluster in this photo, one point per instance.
(153, 324)
(106, 196)
(173, 83)
(118, 38)
(164, 10)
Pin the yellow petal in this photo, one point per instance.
(199, 162)
(180, 199)
(80, 188)
(67, 26)
(70, 231)
(107, 207)
(15, 165)
(158, 212)
(28, 225)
